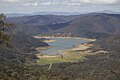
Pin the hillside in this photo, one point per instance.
(35, 24)
(97, 67)
(20, 46)
(37, 20)
(92, 26)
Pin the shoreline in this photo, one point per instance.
(48, 41)
(82, 47)
(77, 53)
(47, 37)
(42, 48)
(74, 54)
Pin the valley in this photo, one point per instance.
(60, 47)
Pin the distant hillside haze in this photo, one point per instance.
(93, 25)
(10, 15)
(59, 13)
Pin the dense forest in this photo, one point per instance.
(15, 49)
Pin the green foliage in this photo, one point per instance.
(4, 37)
(2, 16)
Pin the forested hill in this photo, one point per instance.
(14, 47)
(37, 20)
(94, 25)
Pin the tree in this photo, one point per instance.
(4, 37)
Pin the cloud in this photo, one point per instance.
(9, 1)
(101, 1)
(72, 2)
(75, 4)
(58, 5)
(31, 4)
(95, 1)
(47, 3)
(39, 3)
(35, 4)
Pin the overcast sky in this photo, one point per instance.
(26, 6)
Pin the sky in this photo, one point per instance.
(30, 6)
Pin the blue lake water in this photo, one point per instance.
(62, 44)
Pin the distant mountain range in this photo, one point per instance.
(37, 20)
(108, 12)
(16, 14)
(93, 25)
(38, 24)
(58, 13)
(41, 13)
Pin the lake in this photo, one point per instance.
(61, 44)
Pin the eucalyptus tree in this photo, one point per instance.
(4, 25)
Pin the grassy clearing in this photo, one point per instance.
(50, 60)
(74, 55)
(69, 56)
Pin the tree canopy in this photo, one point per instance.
(4, 37)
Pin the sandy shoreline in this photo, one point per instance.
(47, 41)
(43, 48)
(75, 54)
(83, 47)
(78, 53)
(47, 37)
(78, 48)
